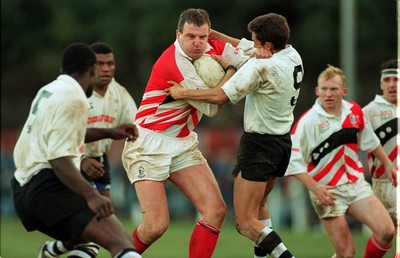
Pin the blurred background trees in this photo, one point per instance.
(34, 33)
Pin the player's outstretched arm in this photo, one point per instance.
(123, 131)
(214, 95)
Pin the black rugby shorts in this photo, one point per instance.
(261, 156)
(47, 205)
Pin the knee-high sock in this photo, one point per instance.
(374, 249)
(272, 243)
(203, 240)
(139, 244)
(258, 252)
(128, 253)
(57, 247)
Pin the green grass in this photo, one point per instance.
(17, 243)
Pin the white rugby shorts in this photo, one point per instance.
(345, 195)
(153, 156)
(386, 193)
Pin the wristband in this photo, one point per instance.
(230, 67)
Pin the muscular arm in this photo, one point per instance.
(117, 133)
(214, 96)
(223, 37)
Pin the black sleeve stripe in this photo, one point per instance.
(339, 138)
(387, 131)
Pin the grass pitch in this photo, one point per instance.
(17, 243)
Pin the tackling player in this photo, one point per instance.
(167, 148)
(271, 87)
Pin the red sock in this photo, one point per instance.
(140, 246)
(374, 249)
(203, 240)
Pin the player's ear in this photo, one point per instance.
(316, 91)
(345, 91)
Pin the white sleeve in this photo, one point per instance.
(129, 108)
(299, 154)
(240, 54)
(368, 141)
(242, 82)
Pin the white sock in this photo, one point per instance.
(128, 253)
(268, 223)
(80, 253)
(56, 247)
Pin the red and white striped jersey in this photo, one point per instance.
(177, 118)
(383, 118)
(326, 146)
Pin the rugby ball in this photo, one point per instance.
(209, 70)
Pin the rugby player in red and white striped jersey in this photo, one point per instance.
(326, 140)
(167, 148)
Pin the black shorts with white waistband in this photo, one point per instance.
(261, 156)
(47, 205)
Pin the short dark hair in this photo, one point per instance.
(272, 28)
(101, 48)
(392, 63)
(194, 16)
(77, 58)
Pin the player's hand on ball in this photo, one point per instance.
(176, 91)
(223, 61)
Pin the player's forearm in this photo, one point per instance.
(214, 96)
(223, 37)
(67, 173)
(95, 134)
(380, 154)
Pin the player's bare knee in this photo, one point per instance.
(241, 227)
(215, 214)
(388, 236)
(153, 231)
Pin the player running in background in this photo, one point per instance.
(271, 87)
(382, 113)
(110, 117)
(167, 148)
(326, 140)
(50, 194)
